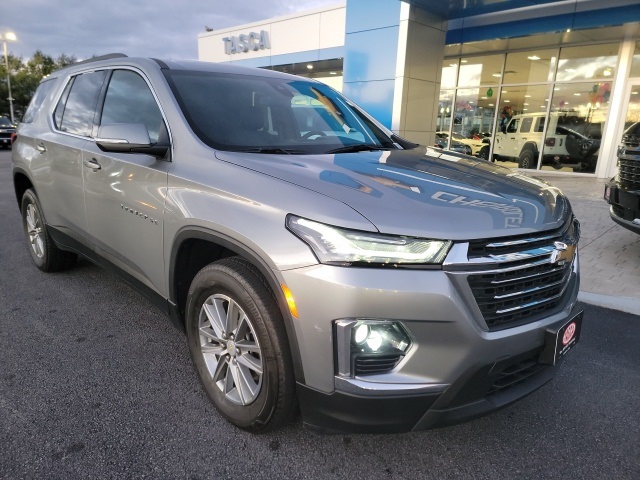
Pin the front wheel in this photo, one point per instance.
(484, 153)
(45, 254)
(527, 159)
(239, 347)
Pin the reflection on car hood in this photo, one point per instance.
(421, 192)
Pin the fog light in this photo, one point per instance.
(361, 333)
(366, 347)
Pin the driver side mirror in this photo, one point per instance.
(128, 138)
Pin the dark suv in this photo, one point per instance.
(7, 132)
(623, 191)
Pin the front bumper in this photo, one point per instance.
(625, 205)
(457, 368)
(470, 397)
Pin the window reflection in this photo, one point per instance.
(534, 109)
(530, 67)
(518, 139)
(576, 123)
(444, 110)
(587, 62)
(635, 64)
(74, 114)
(485, 70)
(129, 100)
(449, 74)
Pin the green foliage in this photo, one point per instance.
(25, 77)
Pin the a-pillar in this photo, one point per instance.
(393, 64)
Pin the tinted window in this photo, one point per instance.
(526, 125)
(513, 126)
(36, 102)
(263, 113)
(129, 100)
(77, 113)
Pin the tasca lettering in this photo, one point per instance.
(243, 43)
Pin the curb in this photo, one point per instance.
(623, 304)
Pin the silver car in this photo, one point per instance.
(312, 256)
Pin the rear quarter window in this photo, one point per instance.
(42, 92)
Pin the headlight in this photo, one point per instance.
(339, 246)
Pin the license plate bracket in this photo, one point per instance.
(560, 339)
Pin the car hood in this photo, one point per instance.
(421, 192)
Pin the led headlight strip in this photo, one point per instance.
(340, 246)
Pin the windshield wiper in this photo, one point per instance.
(271, 150)
(360, 147)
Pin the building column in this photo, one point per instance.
(393, 63)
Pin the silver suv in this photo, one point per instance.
(313, 257)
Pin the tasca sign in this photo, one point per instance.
(243, 43)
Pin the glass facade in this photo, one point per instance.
(542, 108)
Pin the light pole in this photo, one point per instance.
(11, 37)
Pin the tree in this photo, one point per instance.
(25, 77)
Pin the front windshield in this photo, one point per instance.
(270, 115)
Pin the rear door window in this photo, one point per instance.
(76, 111)
(526, 125)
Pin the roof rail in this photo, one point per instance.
(102, 57)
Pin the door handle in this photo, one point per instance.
(41, 148)
(92, 164)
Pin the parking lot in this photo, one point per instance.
(95, 383)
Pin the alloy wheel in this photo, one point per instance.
(230, 349)
(34, 230)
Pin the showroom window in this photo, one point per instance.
(635, 64)
(536, 109)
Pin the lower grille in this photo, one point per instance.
(516, 374)
(375, 364)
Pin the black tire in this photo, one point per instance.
(256, 401)
(528, 159)
(45, 254)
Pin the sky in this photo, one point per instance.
(151, 28)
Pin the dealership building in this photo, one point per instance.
(567, 73)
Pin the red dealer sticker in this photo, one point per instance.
(560, 339)
(569, 333)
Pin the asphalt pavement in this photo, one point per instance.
(95, 383)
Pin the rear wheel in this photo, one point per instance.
(45, 254)
(527, 159)
(239, 347)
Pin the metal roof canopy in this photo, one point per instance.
(453, 9)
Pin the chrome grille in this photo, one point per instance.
(629, 173)
(629, 162)
(520, 283)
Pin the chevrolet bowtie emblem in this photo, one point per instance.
(562, 253)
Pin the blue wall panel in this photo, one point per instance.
(371, 55)
(371, 14)
(586, 19)
(375, 97)
(371, 49)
